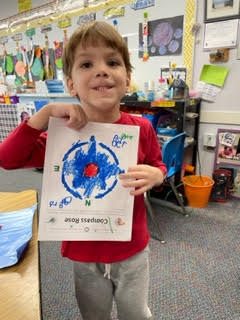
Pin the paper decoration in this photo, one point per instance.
(214, 74)
(30, 32)
(20, 67)
(48, 69)
(46, 29)
(86, 18)
(164, 37)
(4, 40)
(24, 5)
(9, 66)
(64, 23)
(141, 4)
(17, 37)
(145, 37)
(58, 53)
(82, 197)
(37, 66)
(114, 12)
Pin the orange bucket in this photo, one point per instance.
(197, 190)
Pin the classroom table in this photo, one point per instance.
(19, 284)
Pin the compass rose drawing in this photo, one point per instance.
(90, 169)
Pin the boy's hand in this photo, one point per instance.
(75, 117)
(142, 177)
(73, 114)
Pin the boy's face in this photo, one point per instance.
(100, 80)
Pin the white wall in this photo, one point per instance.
(225, 112)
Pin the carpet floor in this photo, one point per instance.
(195, 275)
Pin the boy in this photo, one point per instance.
(97, 70)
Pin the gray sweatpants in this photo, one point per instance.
(96, 284)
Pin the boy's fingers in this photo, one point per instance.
(137, 167)
(132, 175)
(134, 183)
(139, 191)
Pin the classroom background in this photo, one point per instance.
(196, 41)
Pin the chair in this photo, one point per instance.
(172, 151)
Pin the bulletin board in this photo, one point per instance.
(128, 25)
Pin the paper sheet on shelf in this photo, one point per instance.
(82, 197)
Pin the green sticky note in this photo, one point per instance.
(214, 74)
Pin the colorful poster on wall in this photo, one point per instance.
(24, 5)
(165, 37)
(227, 156)
(228, 147)
(82, 196)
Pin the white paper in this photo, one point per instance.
(82, 196)
(208, 91)
(221, 34)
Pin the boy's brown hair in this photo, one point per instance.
(90, 34)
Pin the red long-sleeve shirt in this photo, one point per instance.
(25, 148)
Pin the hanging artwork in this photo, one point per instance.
(227, 155)
(145, 35)
(58, 51)
(82, 196)
(24, 5)
(28, 57)
(141, 4)
(46, 53)
(19, 65)
(86, 18)
(165, 37)
(228, 147)
(114, 12)
(37, 69)
(3, 41)
(62, 24)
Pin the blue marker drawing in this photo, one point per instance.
(90, 169)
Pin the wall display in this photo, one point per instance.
(24, 5)
(19, 65)
(82, 196)
(215, 75)
(227, 155)
(208, 92)
(142, 4)
(114, 12)
(216, 10)
(228, 147)
(46, 53)
(86, 18)
(37, 69)
(165, 37)
(145, 35)
(127, 30)
(220, 34)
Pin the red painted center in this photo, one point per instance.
(91, 170)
